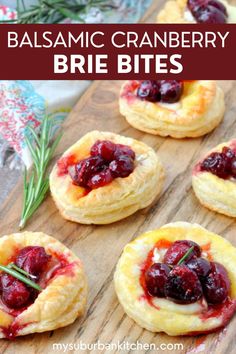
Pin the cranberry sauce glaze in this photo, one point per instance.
(16, 296)
(222, 164)
(208, 11)
(185, 277)
(106, 162)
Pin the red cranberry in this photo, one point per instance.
(218, 5)
(216, 285)
(123, 166)
(211, 11)
(104, 148)
(100, 179)
(171, 90)
(233, 167)
(15, 294)
(210, 14)
(84, 170)
(124, 150)
(217, 164)
(155, 278)
(178, 249)
(183, 286)
(200, 266)
(33, 259)
(149, 90)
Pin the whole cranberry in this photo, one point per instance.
(155, 278)
(100, 179)
(210, 14)
(233, 167)
(183, 286)
(178, 249)
(216, 285)
(218, 5)
(149, 90)
(85, 169)
(200, 266)
(216, 163)
(123, 166)
(33, 259)
(208, 11)
(124, 150)
(15, 294)
(171, 90)
(104, 149)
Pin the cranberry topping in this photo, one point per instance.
(124, 150)
(82, 172)
(155, 278)
(208, 11)
(105, 149)
(217, 284)
(15, 294)
(182, 285)
(149, 90)
(108, 161)
(100, 179)
(178, 249)
(221, 164)
(122, 166)
(168, 91)
(171, 91)
(200, 266)
(33, 259)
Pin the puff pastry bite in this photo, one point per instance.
(105, 177)
(172, 108)
(214, 179)
(59, 291)
(197, 11)
(179, 279)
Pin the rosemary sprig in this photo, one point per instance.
(185, 255)
(21, 277)
(19, 270)
(55, 11)
(36, 182)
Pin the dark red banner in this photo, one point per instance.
(141, 51)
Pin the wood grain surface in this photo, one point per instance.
(100, 246)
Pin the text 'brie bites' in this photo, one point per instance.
(197, 11)
(53, 268)
(214, 179)
(105, 177)
(172, 108)
(180, 280)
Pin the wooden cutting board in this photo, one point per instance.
(100, 246)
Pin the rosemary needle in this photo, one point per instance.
(185, 255)
(36, 181)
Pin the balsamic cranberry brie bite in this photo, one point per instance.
(214, 179)
(197, 11)
(42, 285)
(172, 108)
(180, 280)
(105, 177)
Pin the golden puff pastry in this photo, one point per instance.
(63, 282)
(200, 110)
(215, 187)
(176, 11)
(116, 200)
(159, 314)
